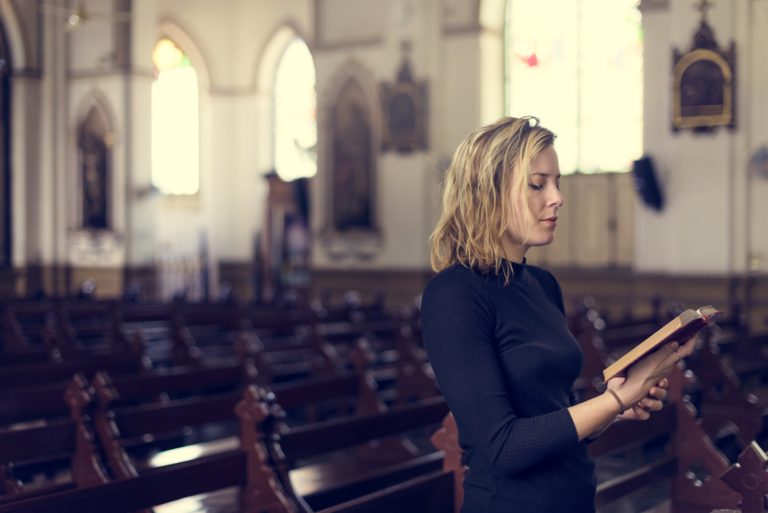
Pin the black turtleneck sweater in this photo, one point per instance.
(506, 362)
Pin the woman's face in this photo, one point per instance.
(544, 200)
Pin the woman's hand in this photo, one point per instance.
(650, 403)
(649, 370)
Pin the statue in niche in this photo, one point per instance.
(352, 162)
(93, 151)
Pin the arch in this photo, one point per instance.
(353, 69)
(351, 79)
(173, 31)
(266, 64)
(14, 33)
(96, 100)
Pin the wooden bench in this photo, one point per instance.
(50, 373)
(27, 329)
(63, 443)
(137, 430)
(258, 489)
(722, 400)
(345, 476)
(749, 478)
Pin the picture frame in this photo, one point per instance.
(404, 108)
(703, 95)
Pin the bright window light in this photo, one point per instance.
(175, 122)
(295, 110)
(577, 65)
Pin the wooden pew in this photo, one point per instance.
(404, 375)
(749, 478)
(346, 477)
(172, 383)
(50, 373)
(245, 468)
(123, 431)
(87, 328)
(27, 334)
(151, 324)
(285, 359)
(46, 402)
(59, 330)
(32, 403)
(722, 400)
(208, 327)
(35, 449)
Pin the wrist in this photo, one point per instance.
(629, 394)
(621, 404)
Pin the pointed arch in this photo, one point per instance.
(96, 100)
(170, 29)
(267, 61)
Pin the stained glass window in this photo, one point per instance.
(295, 113)
(577, 65)
(175, 121)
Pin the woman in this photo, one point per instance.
(496, 334)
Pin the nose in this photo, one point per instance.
(556, 199)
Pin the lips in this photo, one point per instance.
(553, 219)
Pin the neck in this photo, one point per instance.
(514, 252)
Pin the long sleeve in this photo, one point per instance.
(458, 322)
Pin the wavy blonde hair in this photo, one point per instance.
(485, 192)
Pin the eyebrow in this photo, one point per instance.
(546, 174)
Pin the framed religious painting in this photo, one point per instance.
(404, 108)
(703, 95)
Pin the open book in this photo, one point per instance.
(680, 329)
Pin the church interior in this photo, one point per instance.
(214, 232)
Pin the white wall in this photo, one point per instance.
(715, 206)
(709, 224)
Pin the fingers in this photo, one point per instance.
(641, 414)
(657, 392)
(649, 404)
(670, 355)
(687, 348)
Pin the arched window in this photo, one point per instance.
(175, 121)
(578, 66)
(295, 113)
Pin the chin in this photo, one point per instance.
(542, 241)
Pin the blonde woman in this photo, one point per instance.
(496, 334)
